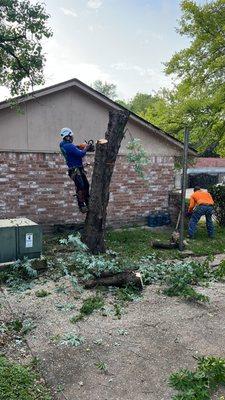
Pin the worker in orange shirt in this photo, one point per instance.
(201, 203)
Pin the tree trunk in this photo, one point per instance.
(120, 279)
(105, 157)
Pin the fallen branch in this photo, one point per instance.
(120, 279)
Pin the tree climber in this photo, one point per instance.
(74, 159)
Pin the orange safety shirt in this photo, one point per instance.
(200, 198)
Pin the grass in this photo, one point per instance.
(20, 383)
(136, 243)
(89, 306)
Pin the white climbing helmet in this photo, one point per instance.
(66, 132)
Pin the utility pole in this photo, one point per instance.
(184, 186)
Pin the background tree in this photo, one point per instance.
(199, 97)
(140, 102)
(108, 89)
(22, 27)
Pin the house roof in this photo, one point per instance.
(210, 162)
(101, 98)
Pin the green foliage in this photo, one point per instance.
(137, 156)
(71, 339)
(108, 89)
(118, 310)
(18, 326)
(20, 383)
(87, 265)
(179, 277)
(42, 293)
(62, 264)
(25, 267)
(140, 103)
(199, 97)
(102, 366)
(76, 241)
(200, 384)
(219, 272)
(198, 100)
(128, 293)
(133, 244)
(92, 303)
(89, 305)
(185, 291)
(28, 326)
(19, 275)
(218, 194)
(23, 26)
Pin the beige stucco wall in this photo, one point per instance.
(36, 127)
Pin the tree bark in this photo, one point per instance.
(105, 157)
(120, 279)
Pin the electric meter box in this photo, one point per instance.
(19, 238)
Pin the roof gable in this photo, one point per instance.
(101, 98)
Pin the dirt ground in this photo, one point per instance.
(155, 336)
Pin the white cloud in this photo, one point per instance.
(135, 78)
(95, 28)
(70, 66)
(69, 12)
(94, 4)
(148, 35)
(121, 66)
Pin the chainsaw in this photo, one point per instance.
(91, 148)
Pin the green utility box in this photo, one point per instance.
(19, 238)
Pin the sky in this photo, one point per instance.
(124, 42)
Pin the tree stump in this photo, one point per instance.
(105, 157)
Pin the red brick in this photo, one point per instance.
(39, 181)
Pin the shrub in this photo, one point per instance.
(218, 194)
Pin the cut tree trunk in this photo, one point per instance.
(105, 157)
(120, 279)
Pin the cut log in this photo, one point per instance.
(163, 245)
(105, 157)
(102, 141)
(120, 279)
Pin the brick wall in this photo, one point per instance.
(37, 186)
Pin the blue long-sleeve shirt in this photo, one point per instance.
(72, 154)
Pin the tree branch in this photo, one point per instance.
(20, 65)
(12, 39)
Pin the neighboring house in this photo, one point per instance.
(33, 176)
(206, 172)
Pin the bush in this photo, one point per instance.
(218, 194)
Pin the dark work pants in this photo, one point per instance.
(81, 184)
(196, 215)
